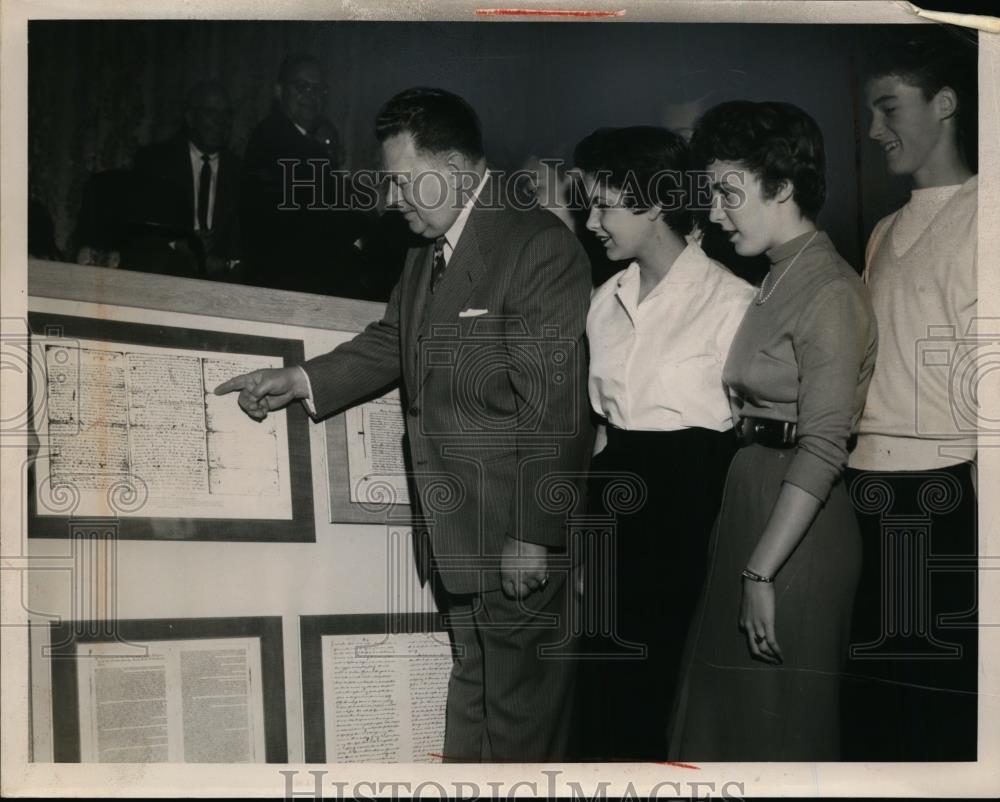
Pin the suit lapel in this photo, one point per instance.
(223, 191)
(416, 278)
(183, 168)
(465, 271)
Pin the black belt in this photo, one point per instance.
(766, 432)
(774, 433)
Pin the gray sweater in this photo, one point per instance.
(806, 355)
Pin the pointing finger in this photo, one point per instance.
(236, 383)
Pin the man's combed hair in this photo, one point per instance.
(438, 121)
(647, 164)
(294, 62)
(777, 142)
(931, 58)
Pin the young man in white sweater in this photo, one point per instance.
(911, 689)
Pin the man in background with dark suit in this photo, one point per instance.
(196, 177)
(484, 333)
(301, 235)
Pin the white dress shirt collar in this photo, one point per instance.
(688, 268)
(452, 235)
(196, 154)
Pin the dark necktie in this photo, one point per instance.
(437, 269)
(204, 188)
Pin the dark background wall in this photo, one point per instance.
(98, 90)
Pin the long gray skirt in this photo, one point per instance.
(730, 707)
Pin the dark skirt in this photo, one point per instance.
(645, 567)
(731, 707)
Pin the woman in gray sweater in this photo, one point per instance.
(761, 667)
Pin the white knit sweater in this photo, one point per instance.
(921, 272)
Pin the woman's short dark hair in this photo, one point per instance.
(437, 120)
(777, 142)
(647, 164)
(931, 58)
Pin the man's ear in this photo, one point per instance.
(946, 102)
(456, 161)
(786, 189)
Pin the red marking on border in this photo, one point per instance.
(545, 12)
(678, 765)
(435, 754)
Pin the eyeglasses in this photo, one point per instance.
(308, 88)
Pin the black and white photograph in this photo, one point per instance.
(555, 399)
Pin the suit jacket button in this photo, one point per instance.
(414, 411)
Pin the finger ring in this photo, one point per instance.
(545, 580)
(758, 638)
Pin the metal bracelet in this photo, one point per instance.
(746, 573)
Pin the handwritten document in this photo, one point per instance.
(136, 431)
(196, 701)
(384, 697)
(375, 441)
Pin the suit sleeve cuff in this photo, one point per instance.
(307, 402)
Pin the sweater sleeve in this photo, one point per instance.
(830, 340)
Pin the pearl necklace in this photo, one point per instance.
(761, 296)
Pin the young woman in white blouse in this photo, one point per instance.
(659, 333)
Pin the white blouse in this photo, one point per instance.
(657, 365)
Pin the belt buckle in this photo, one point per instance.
(788, 432)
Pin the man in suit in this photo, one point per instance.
(484, 332)
(193, 178)
(298, 236)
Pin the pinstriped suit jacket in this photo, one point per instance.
(495, 401)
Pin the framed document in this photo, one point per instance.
(374, 687)
(128, 428)
(367, 462)
(203, 690)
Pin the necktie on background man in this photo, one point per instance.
(204, 188)
(437, 268)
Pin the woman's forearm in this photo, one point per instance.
(791, 517)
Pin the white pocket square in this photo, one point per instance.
(473, 312)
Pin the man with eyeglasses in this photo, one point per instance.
(298, 229)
